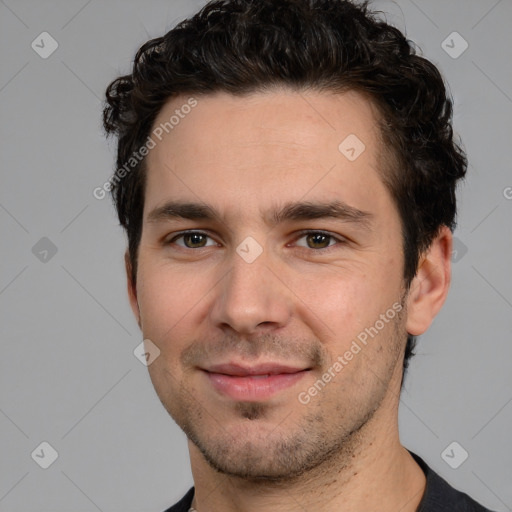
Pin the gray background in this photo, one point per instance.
(68, 373)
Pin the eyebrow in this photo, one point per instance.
(292, 211)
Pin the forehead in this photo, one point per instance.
(243, 151)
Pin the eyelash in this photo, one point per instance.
(302, 234)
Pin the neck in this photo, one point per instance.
(381, 475)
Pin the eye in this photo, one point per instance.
(192, 240)
(318, 240)
(315, 240)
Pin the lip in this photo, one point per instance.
(254, 384)
(239, 370)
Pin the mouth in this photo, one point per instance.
(253, 384)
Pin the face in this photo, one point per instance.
(291, 256)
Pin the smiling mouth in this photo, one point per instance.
(253, 387)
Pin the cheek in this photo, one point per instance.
(168, 299)
(335, 302)
(342, 303)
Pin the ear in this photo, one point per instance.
(430, 286)
(132, 288)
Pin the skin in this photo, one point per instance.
(302, 302)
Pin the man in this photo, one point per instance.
(286, 177)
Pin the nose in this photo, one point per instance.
(251, 297)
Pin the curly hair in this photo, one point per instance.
(246, 46)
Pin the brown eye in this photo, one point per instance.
(318, 240)
(192, 240)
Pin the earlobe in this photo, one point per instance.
(132, 288)
(430, 286)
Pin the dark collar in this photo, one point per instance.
(440, 496)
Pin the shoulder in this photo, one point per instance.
(440, 496)
(184, 504)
